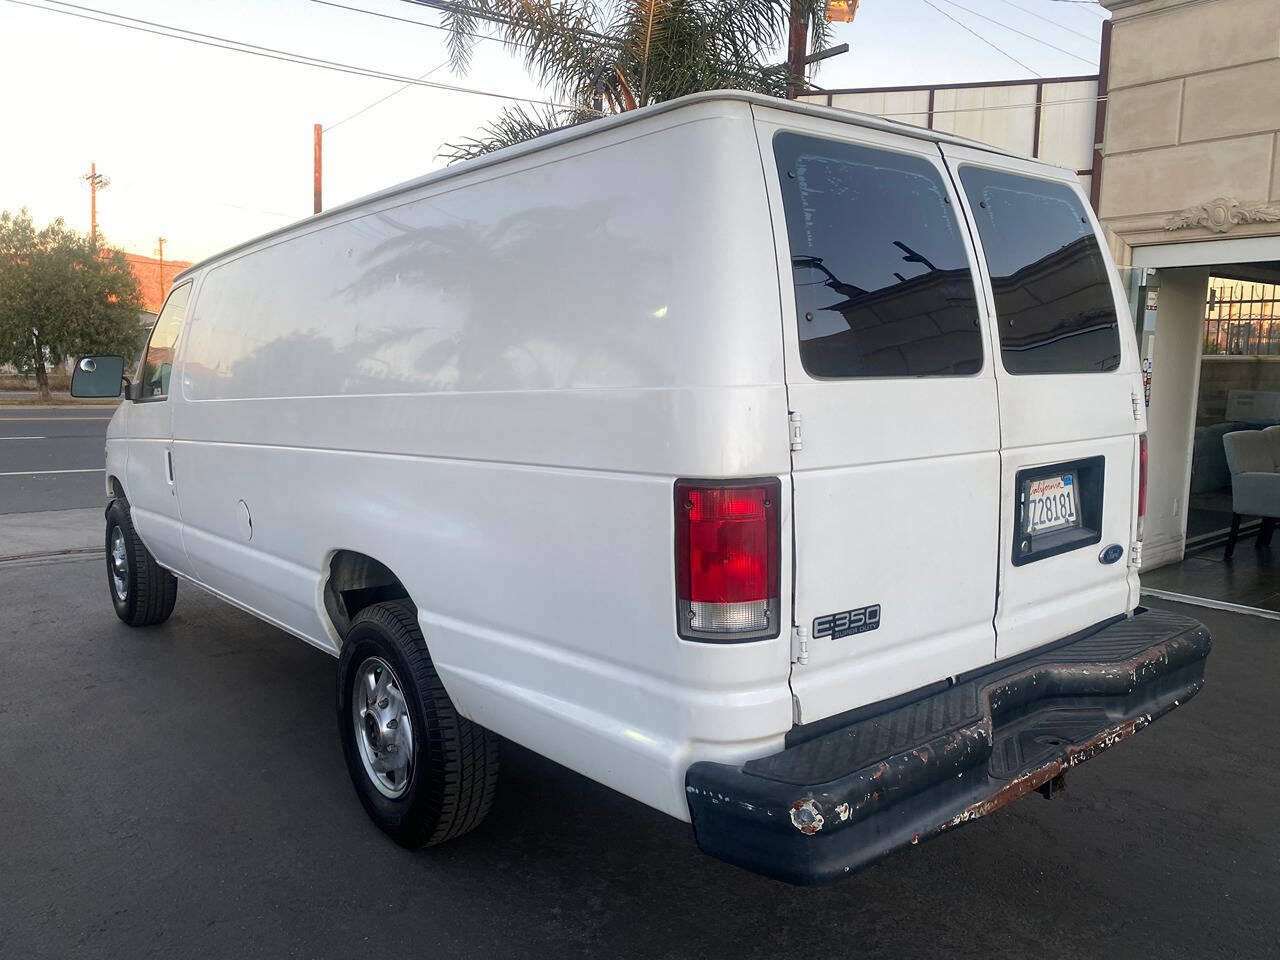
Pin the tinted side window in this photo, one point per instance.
(883, 285)
(157, 362)
(1054, 304)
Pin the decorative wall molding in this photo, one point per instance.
(1132, 9)
(1222, 213)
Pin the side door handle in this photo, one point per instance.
(168, 465)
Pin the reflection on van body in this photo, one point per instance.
(922, 326)
(883, 287)
(1055, 306)
(1059, 314)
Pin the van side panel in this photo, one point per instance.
(490, 385)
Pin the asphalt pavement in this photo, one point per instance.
(51, 458)
(179, 791)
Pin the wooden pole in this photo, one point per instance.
(96, 181)
(93, 204)
(160, 254)
(317, 206)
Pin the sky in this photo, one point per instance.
(208, 147)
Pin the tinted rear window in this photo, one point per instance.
(1054, 304)
(882, 281)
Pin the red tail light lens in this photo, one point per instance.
(727, 559)
(1142, 483)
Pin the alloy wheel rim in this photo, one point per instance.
(119, 564)
(383, 729)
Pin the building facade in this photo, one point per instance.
(1190, 195)
(154, 277)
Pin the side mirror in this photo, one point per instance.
(97, 377)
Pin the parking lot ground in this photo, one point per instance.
(179, 791)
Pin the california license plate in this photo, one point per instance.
(1051, 504)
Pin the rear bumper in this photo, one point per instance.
(841, 799)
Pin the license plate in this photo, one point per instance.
(1050, 504)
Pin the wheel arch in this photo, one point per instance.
(355, 580)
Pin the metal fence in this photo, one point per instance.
(1242, 319)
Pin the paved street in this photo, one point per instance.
(51, 457)
(179, 791)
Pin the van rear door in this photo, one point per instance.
(1069, 387)
(896, 468)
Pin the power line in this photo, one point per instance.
(967, 28)
(448, 6)
(239, 46)
(455, 7)
(290, 57)
(416, 23)
(1087, 5)
(983, 16)
(175, 30)
(1041, 16)
(400, 89)
(128, 187)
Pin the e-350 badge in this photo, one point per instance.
(847, 622)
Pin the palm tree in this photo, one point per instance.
(606, 56)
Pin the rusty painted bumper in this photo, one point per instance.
(843, 795)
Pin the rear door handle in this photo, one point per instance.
(168, 466)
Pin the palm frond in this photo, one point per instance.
(513, 125)
(461, 25)
(630, 53)
(560, 43)
(650, 15)
(624, 90)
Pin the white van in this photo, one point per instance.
(779, 467)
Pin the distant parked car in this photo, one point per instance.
(778, 467)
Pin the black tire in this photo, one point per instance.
(150, 591)
(453, 775)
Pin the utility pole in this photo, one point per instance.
(160, 254)
(318, 131)
(838, 11)
(96, 181)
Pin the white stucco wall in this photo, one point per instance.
(1171, 418)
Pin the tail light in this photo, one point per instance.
(727, 559)
(1142, 483)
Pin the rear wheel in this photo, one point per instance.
(423, 773)
(142, 591)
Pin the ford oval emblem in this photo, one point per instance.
(1111, 554)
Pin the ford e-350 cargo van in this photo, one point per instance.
(781, 468)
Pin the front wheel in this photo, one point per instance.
(424, 773)
(142, 591)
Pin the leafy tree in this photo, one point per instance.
(608, 56)
(61, 296)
